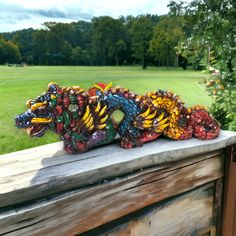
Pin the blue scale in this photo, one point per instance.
(128, 107)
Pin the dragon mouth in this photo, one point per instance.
(38, 127)
(36, 130)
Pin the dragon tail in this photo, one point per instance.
(203, 124)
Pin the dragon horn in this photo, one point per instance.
(108, 86)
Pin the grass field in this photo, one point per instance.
(19, 84)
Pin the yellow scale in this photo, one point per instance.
(88, 119)
(173, 131)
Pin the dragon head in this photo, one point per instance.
(79, 120)
(41, 112)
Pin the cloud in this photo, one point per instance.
(50, 13)
(15, 14)
(14, 10)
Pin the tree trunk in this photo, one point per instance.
(144, 64)
(162, 62)
(117, 59)
(176, 61)
(104, 57)
(167, 58)
(208, 55)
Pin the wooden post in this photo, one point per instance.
(229, 207)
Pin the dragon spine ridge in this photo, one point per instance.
(84, 120)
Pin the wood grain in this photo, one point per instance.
(86, 208)
(217, 216)
(46, 170)
(229, 203)
(188, 214)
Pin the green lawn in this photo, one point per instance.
(19, 84)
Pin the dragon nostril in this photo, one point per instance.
(17, 120)
(22, 121)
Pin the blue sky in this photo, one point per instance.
(19, 14)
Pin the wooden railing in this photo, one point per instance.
(163, 188)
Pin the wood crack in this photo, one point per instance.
(27, 226)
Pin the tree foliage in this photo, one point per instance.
(213, 25)
(140, 30)
(9, 52)
(166, 36)
(108, 39)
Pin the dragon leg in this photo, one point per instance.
(175, 132)
(148, 136)
(179, 128)
(126, 143)
(139, 141)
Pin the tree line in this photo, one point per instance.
(142, 40)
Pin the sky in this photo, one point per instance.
(21, 14)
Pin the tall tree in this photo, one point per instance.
(9, 52)
(167, 33)
(141, 32)
(76, 54)
(108, 39)
(39, 44)
(58, 38)
(82, 37)
(81, 31)
(23, 38)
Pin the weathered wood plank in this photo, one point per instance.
(188, 214)
(229, 203)
(217, 216)
(46, 170)
(84, 209)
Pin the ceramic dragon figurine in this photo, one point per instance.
(84, 119)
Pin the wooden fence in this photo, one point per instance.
(165, 188)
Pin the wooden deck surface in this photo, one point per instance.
(46, 170)
(49, 192)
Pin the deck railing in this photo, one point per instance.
(163, 188)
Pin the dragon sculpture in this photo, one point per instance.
(84, 120)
